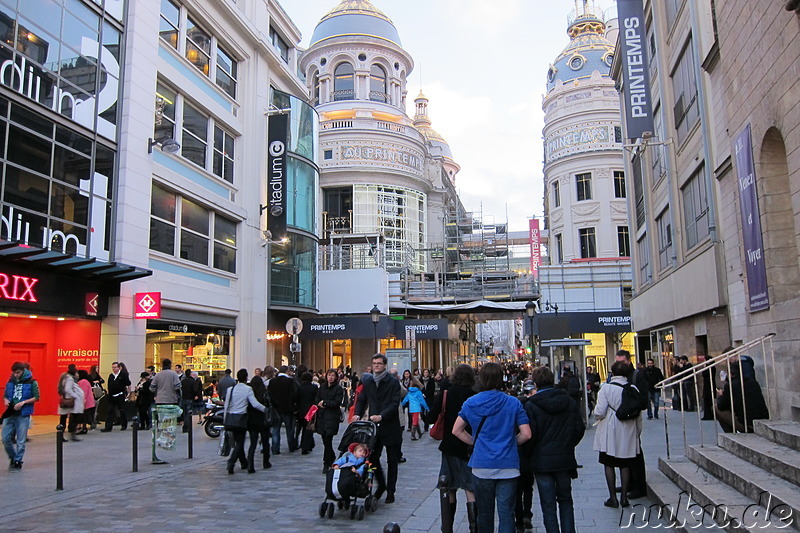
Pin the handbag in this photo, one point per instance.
(66, 402)
(97, 391)
(311, 425)
(437, 430)
(234, 421)
(224, 444)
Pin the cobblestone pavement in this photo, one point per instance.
(102, 494)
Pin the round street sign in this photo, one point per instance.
(294, 326)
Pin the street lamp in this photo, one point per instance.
(530, 310)
(375, 315)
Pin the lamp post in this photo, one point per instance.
(375, 315)
(530, 310)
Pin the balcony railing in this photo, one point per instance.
(347, 94)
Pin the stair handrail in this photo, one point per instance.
(691, 373)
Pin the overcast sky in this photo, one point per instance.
(483, 66)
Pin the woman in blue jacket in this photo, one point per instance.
(499, 424)
(416, 403)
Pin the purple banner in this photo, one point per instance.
(751, 223)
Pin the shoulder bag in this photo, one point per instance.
(437, 430)
(234, 421)
(66, 402)
(477, 432)
(270, 414)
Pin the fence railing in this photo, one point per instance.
(689, 379)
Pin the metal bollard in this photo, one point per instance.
(447, 510)
(60, 457)
(135, 444)
(187, 423)
(391, 527)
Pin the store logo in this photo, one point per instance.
(18, 288)
(92, 303)
(147, 305)
(276, 150)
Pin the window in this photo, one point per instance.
(664, 240)
(619, 184)
(197, 131)
(343, 84)
(684, 86)
(623, 241)
(205, 237)
(695, 208)
(223, 154)
(586, 237)
(327, 155)
(642, 251)
(556, 194)
(279, 44)
(226, 72)
(584, 186)
(638, 189)
(377, 84)
(658, 155)
(559, 248)
(180, 31)
(672, 7)
(315, 87)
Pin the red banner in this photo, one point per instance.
(533, 237)
(147, 305)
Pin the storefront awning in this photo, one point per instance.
(23, 255)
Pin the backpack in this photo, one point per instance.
(631, 405)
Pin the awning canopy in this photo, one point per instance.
(18, 254)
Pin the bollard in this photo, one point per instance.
(135, 444)
(391, 527)
(447, 508)
(188, 416)
(60, 457)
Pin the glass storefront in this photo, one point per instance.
(293, 274)
(205, 349)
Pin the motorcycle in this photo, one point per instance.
(213, 420)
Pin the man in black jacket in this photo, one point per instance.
(381, 394)
(283, 395)
(653, 375)
(118, 384)
(191, 391)
(556, 428)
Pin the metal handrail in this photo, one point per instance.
(692, 373)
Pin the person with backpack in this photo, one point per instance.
(617, 439)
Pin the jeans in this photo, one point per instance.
(288, 421)
(15, 427)
(556, 487)
(486, 492)
(655, 401)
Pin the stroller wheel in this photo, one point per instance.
(373, 506)
(353, 511)
(361, 512)
(322, 508)
(330, 510)
(340, 504)
(368, 503)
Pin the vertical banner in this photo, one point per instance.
(276, 175)
(635, 68)
(751, 223)
(533, 237)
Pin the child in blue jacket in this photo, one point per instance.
(416, 404)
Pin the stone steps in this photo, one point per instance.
(705, 497)
(783, 432)
(779, 497)
(767, 455)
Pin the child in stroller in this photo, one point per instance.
(350, 477)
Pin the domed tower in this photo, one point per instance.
(585, 205)
(374, 170)
(438, 147)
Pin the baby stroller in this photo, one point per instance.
(344, 487)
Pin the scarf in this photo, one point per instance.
(378, 377)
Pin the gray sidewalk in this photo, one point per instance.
(101, 492)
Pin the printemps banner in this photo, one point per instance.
(635, 69)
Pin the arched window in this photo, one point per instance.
(315, 89)
(343, 82)
(377, 84)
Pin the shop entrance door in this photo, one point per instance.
(33, 354)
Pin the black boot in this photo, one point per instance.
(453, 505)
(472, 516)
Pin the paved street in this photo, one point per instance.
(102, 494)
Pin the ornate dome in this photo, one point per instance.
(587, 51)
(423, 124)
(355, 17)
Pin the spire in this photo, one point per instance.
(421, 116)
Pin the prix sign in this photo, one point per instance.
(17, 287)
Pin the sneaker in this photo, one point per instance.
(17, 465)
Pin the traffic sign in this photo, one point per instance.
(294, 326)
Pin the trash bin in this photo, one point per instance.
(165, 428)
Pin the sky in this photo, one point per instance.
(483, 66)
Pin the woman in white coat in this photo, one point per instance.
(615, 439)
(68, 388)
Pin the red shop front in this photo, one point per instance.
(51, 308)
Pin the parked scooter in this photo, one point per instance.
(213, 420)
